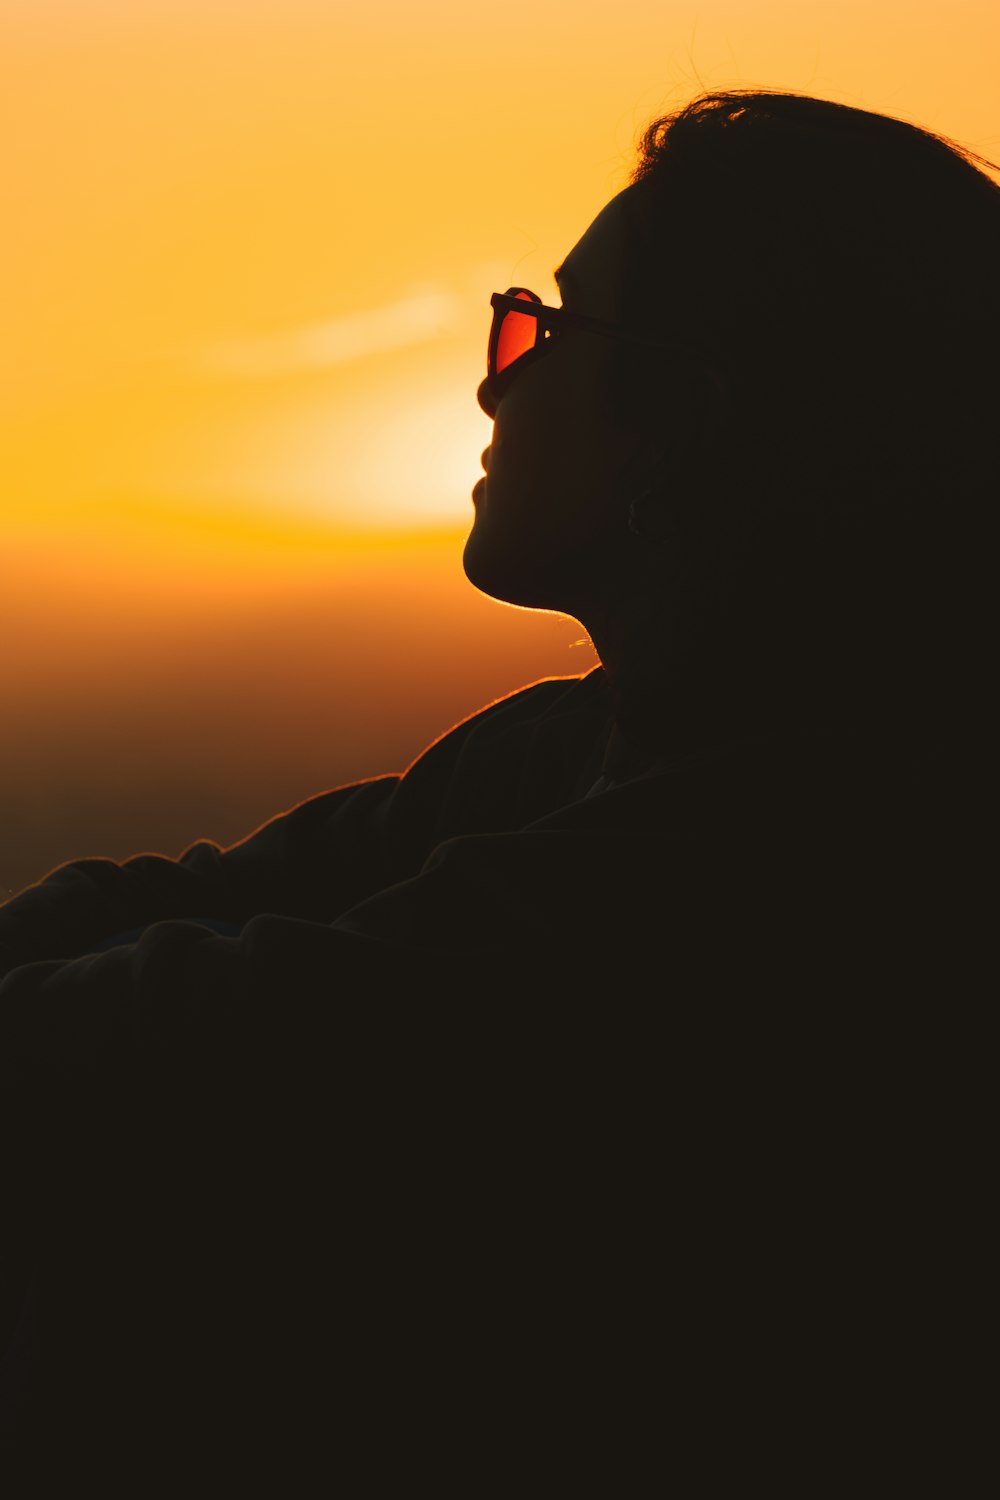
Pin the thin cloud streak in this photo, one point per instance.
(428, 313)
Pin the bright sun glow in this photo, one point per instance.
(414, 463)
(404, 455)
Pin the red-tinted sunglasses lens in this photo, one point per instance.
(518, 333)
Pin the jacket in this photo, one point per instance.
(278, 1117)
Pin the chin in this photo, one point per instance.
(486, 571)
(506, 573)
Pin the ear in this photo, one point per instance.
(643, 472)
(658, 464)
(682, 438)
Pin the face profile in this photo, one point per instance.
(548, 510)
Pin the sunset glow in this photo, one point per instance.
(247, 258)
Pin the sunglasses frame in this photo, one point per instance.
(552, 321)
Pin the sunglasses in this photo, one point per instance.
(524, 329)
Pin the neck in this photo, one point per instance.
(663, 704)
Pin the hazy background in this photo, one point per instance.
(247, 253)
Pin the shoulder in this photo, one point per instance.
(550, 700)
(510, 762)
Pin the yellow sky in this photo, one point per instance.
(249, 244)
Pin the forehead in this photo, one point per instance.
(593, 271)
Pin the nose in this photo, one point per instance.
(487, 401)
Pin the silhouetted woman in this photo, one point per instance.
(356, 1143)
(769, 519)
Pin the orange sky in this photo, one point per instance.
(247, 257)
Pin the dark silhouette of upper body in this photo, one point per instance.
(313, 1134)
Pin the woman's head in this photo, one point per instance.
(811, 493)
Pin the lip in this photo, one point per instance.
(478, 488)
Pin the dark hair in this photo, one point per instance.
(840, 270)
